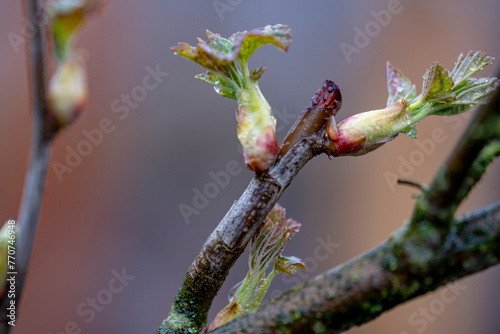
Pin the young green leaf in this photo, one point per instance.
(398, 85)
(437, 85)
(288, 265)
(245, 43)
(266, 247)
(467, 66)
(222, 85)
(471, 93)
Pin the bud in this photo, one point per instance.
(256, 130)
(367, 131)
(227, 63)
(68, 90)
(66, 17)
(267, 245)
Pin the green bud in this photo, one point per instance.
(68, 90)
(227, 63)
(265, 249)
(367, 131)
(443, 93)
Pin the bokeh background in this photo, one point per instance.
(119, 208)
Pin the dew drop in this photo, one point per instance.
(233, 290)
(411, 132)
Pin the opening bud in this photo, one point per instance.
(367, 131)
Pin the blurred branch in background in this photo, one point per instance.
(43, 133)
(56, 104)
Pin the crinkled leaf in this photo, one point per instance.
(222, 85)
(472, 93)
(205, 56)
(215, 54)
(288, 265)
(467, 66)
(218, 53)
(398, 85)
(477, 91)
(272, 236)
(437, 85)
(65, 18)
(245, 43)
(216, 42)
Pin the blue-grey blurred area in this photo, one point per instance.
(112, 245)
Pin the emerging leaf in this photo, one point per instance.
(467, 66)
(266, 247)
(245, 43)
(222, 85)
(271, 238)
(471, 93)
(443, 94)
(398, 85)
(256, 73)
(227, 63)
(437, 85)
(288, 265)
(66, 16)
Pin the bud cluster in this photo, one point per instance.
(227, 63)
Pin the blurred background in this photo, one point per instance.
(117, 210)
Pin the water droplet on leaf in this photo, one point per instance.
(410, 131)
(233, 290)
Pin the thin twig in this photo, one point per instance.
(43, 132)
(209, 270)
(409, 182)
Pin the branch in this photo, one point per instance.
(43, 132)
(362, 289)
(430, 251)
(226, 243)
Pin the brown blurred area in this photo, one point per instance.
(119, 208)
